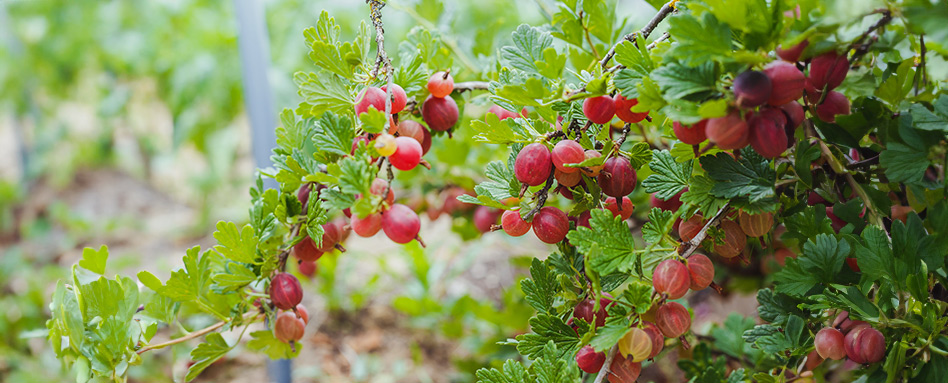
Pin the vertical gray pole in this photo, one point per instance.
(253, 41)
(254, 45)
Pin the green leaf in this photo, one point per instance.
(541, 288)
(322, 92)
(94, 260)
(513, 372)
(213, 348)
(823, 257)
(549, 368)
(608, 244)
(609, 334)
(699, 194)
(669, 177)
(639, 295)
(238, 246)
(334, 134)
(698, 42)
(502, 184)
(793, 280)
(775, 307)
(654, 229)
(639, 154)
(729, 337)
(678, 81)
(903, 164)
(373, 120)
(265, 342)
(236, 277)
(529, 52)
(492, 130)
(548, 328)
(752, 176)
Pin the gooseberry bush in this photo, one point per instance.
(655, 159)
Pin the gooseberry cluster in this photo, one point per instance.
(291, 319)
(765, 111)
(847, 338)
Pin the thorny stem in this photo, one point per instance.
(862, 49)
(689, 247)
(541, 197)
(195, 334)
(666, 10)
(461, 87)
(605, 366)
(663, 12)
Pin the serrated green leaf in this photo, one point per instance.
(669, 177)
(213, 348)
(608, 244)
(238, 246)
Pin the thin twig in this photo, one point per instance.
(461, 87)
(194, 334)
(657, 41)
(604, 371)
(689, 247)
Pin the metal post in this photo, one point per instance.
(253, 42)
(254, 45)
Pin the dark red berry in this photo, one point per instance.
(617, 178)
(533, 164)
(306, 250)
(834, 104)
(691, 135)
(829, 344)
(485, 217)
(767, 133)
(400, 223)
(728, 132)
(625, 212)
(599, 110)
(285, 291)
(787, 83)
(399, 98)
(567, 152)
(671, 277)
(700, 271)
(751, 89)
(828, 70)
(624, 109)
(673, 319)
(407, 154)
(550, 224)
(370, 97)
(589, 360)
(368, 226)
(288, 328)
(440, 113)
(793, 53)
(585, 310)
(513, 224)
